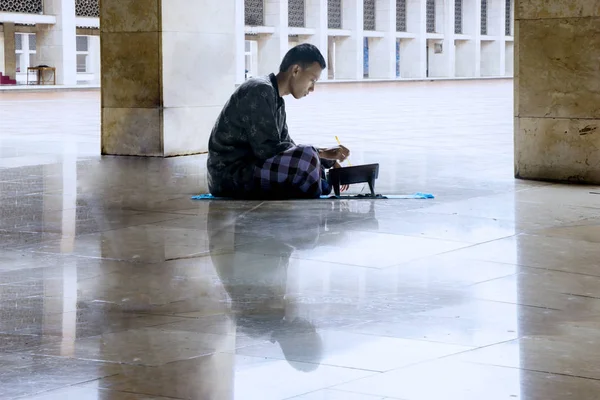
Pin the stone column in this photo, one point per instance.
(316, 18)
(273, 47)
(477, 20)
(557, 130)
(449, 36)
(56, 43)
(349, 50)
(95, 58)
(413, 52)
(167, 69)
(10, 57)
(382, 51)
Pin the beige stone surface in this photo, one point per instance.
(132, 131)
(129, 16)
(10, 58)
(538, 9)
(558, 149)
(559, 68)
(130, 70)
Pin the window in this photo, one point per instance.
(82, 47)
(25, 51)
(458, 17)
(508, 19)
(254, 12)
(401, 15)
(484, 17)
(334, 14)
(369, 15)
(430, 16)
(296, 14)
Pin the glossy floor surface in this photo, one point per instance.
(115, 285)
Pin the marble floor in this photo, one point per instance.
(114, 284)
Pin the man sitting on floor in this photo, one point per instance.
(250, 152)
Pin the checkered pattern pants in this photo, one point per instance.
(295, 173)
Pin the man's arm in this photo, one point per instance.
(258, 110)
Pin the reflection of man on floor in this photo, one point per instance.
(251, 154)
(256, 279)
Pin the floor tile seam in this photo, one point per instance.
(518, 304)
(533, 267)
(521, 272)
(332, 388)
(186, 212)
(534, 233)
(403, 234)
(470, 246)
(234, 353)
(330, 262)
(470, 285)
(49, 391)
(89, 257)
(411, 365)
(532, 370)
(31, 353)
(362, 333)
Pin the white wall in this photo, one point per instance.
(510, 59)
(438, 63)
(490, 59)
(465, 56)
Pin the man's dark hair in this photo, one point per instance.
(304, 55)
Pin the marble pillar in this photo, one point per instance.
(273, 47)
(557, 90)
(349, 55)
(382, 51)
(496, 27)
(168, 66)
(240, 43)
(10, 57)
(413, 52)
(316, 18)
(56, 44)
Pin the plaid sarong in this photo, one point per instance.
(295, 173)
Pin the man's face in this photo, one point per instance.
(304, 79)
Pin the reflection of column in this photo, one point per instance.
(349, 50)
(316, 18)
(10, 56)
(56, 43)
(557, 96)
(167, 70)
(382, 51)
(272, 48)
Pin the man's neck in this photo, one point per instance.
(283, 84)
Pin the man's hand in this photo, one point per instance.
(344, 187)
(338, 153)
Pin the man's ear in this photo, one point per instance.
(295, 69)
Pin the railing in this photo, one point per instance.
(87, 8)
(254, 12)
(22, 6)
